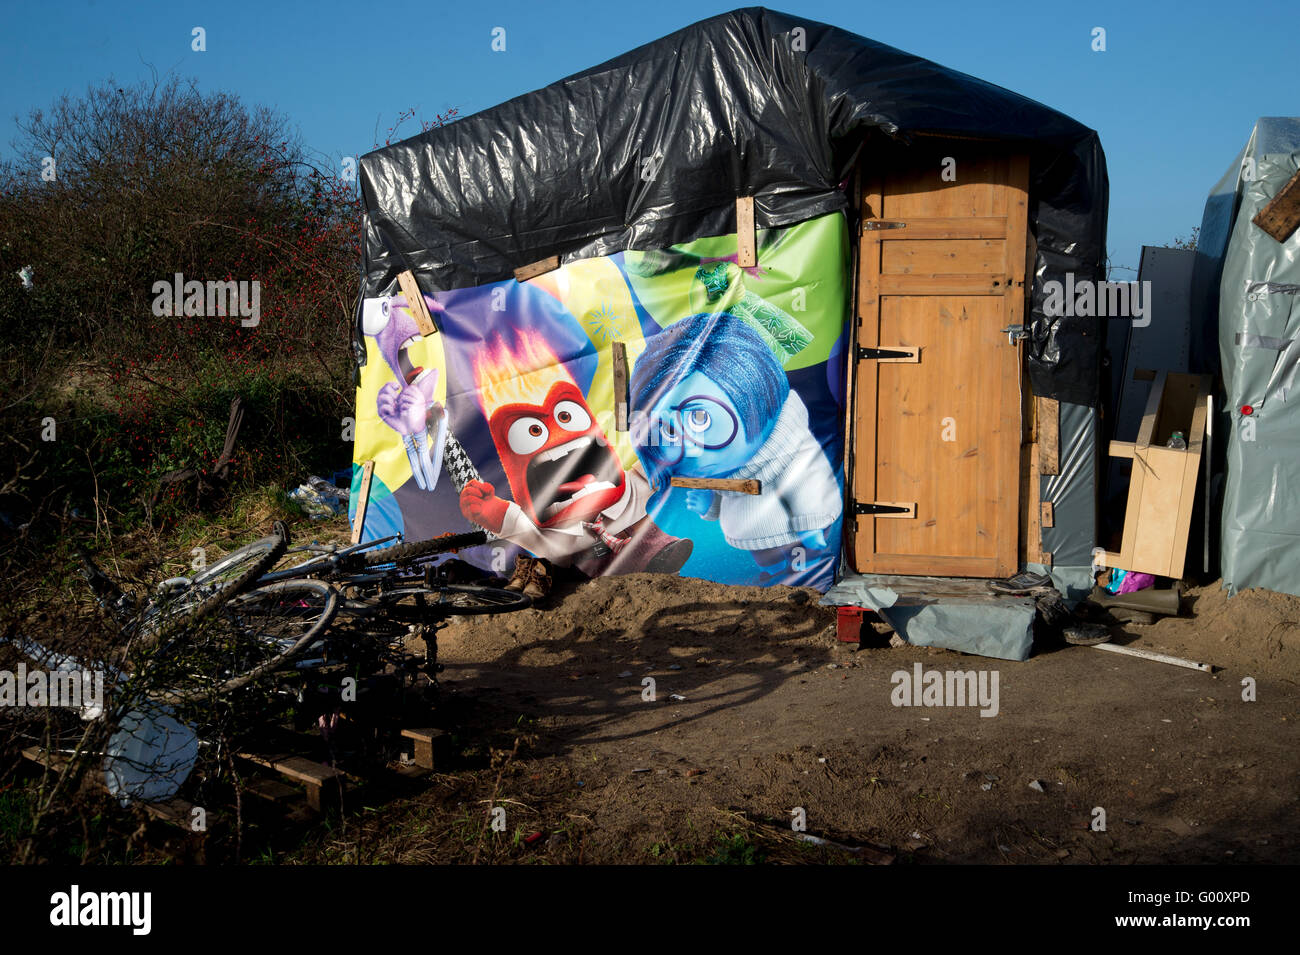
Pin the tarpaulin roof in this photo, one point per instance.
(653, 147)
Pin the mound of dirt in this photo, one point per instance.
(1257, 632)
(649, 618)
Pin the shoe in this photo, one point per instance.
(539, 582)
(1053, 608)
(1086, 634)
(523, 573)
(1025, 583)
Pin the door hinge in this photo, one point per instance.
(899, 353)
(875, 225)
(1015, 333)
(884, 509)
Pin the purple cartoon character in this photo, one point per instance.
(410, 407)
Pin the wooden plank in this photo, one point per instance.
(1122, 449)
(1147, 430)
(866, 379)
(619, 353)
(311, 775)
(738, 485)
(426, 742)
(272, 790)
(1034, 533)
(415, 303)
(1280, 217)
(363, 500)
(531, 271)
(1191, 471)
(945, 227)
(746, 239)
(1048, 415)
(1007, 430)
(1048, 518)
(960, 256)
(917, 284)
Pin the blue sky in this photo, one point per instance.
(1174, 96)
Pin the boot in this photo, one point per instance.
(539, 583)
(523, 573)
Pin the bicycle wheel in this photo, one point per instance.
(229, 577)
(252, 637)
(245, 564)
(438, 545)
(420, 603)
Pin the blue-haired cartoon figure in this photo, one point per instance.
(710, 400)
(409, 408)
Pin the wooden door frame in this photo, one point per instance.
(1015, 395)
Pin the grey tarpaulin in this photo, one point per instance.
(1073, 493)
(1272, 135)
(1259, 345)
(941, 612)
(652, 148)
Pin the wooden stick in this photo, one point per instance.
(415, 303)
(1280, 217)
(620, 386)
(526, 272)
(746, 241)
(740, 485)
(363, 498)
(1156, 657)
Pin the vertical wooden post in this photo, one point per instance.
(363, 498)
(620, 386)
(746, 241)
(415, 303)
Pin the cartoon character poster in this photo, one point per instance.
(504, 420)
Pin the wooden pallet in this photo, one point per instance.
(1162, 489)
(322, 783)
(175, 811)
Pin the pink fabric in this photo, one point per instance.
(1132, 582)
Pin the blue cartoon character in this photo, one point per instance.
(408, 405)
(712, 401)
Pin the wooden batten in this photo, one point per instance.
(1281, 216)
(746, 238)
(415, 303)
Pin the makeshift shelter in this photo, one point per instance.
(760, 254)
(1247, 285)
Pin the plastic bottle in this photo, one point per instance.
(1177, 441)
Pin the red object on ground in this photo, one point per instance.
(848, 623)
(532, 837)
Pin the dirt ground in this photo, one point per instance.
(759, 712)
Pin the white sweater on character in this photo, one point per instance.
(799, 490)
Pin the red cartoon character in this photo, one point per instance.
(574, 503)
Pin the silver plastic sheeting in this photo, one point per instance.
(1259, 347)
(1073, 495)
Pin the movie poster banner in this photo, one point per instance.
(505, 419)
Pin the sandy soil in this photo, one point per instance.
(759, 711)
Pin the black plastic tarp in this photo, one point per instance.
(652, 149)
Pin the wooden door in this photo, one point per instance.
(936, 391)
